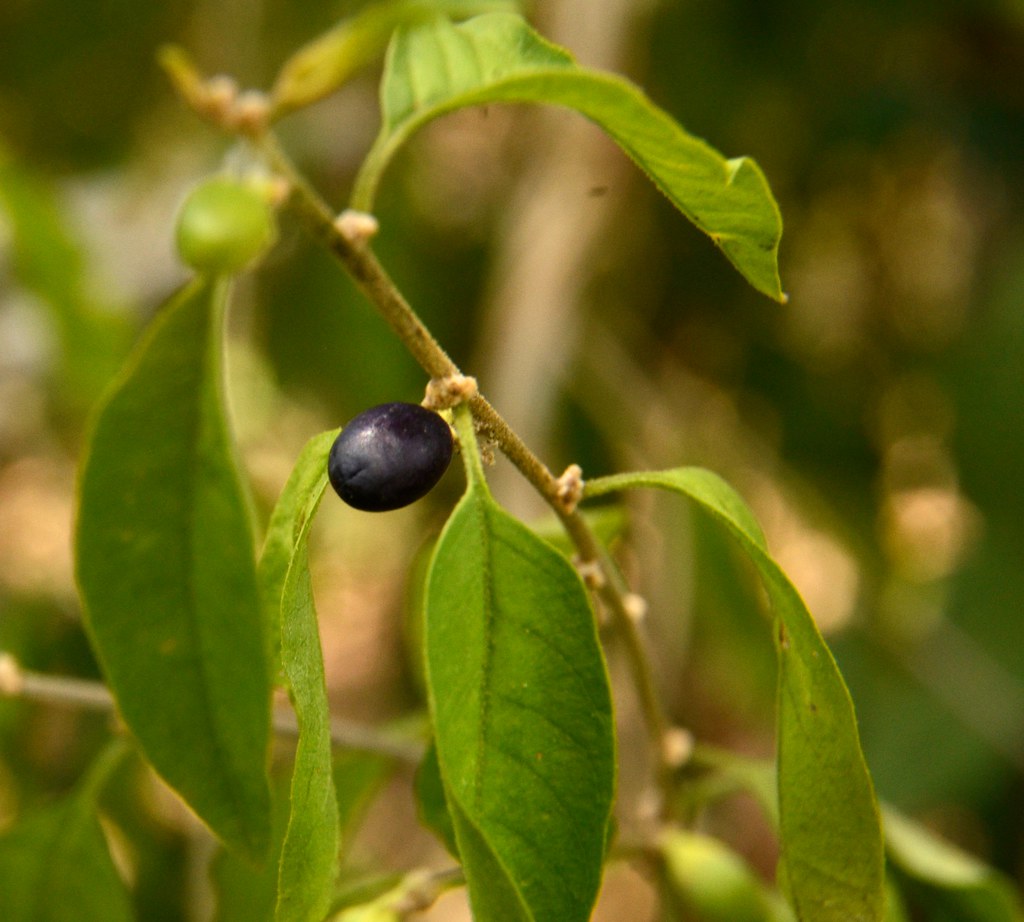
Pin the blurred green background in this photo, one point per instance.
(875, 422)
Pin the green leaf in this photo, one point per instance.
(55, 865)
(828, 817)
(309, 855)
(328, 61)
(522, 712)
(731, 771)
(245, 891)
(711, 880)
(608, 523)
(436, 67)
(953, 884)
(166, 568)
(358, 778)
(431, 803)
(895, 909)
(287, 522)
(364, 888)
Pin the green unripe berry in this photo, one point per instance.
(223, 225)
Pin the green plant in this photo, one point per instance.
(518, 780)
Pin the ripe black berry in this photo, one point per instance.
(389, 456)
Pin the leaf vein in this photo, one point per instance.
(486, 667)
(546, 717)
(193, 532)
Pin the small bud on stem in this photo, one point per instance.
(357, 227)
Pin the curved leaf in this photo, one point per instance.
(956, 884)
(828, 818)
(309, 855)
(299, 499)
(166, 568)
(608, 523)
(244, 891)
(288, 520)
(328, 61)
(713, 882)
(522, 712)
(436, 67)
(55, 865)
(431, 803)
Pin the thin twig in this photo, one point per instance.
(16, 682)
(361, 264)
(421, 889)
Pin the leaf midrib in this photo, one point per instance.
(489, 604)
(197, 429)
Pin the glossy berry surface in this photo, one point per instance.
(389, 456)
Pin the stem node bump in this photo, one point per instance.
(11, 680)
(449, 391)
(357, 227)
(593, 575)
(570, 487)
(677, 747)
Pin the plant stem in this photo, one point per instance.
(16, 682)
(421, 889)
(361, 264)
(613, 593)
(376, 284)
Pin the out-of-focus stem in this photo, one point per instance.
(67, 691)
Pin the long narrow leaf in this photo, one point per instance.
(328, 61)
(950, 882)
(309, 854)
(289, 518)
(828, 817)
(166, 568)
(522, 713)
(436, 67)
(55, 865)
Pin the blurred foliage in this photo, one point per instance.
(875, 422)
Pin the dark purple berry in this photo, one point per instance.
(389, 456)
